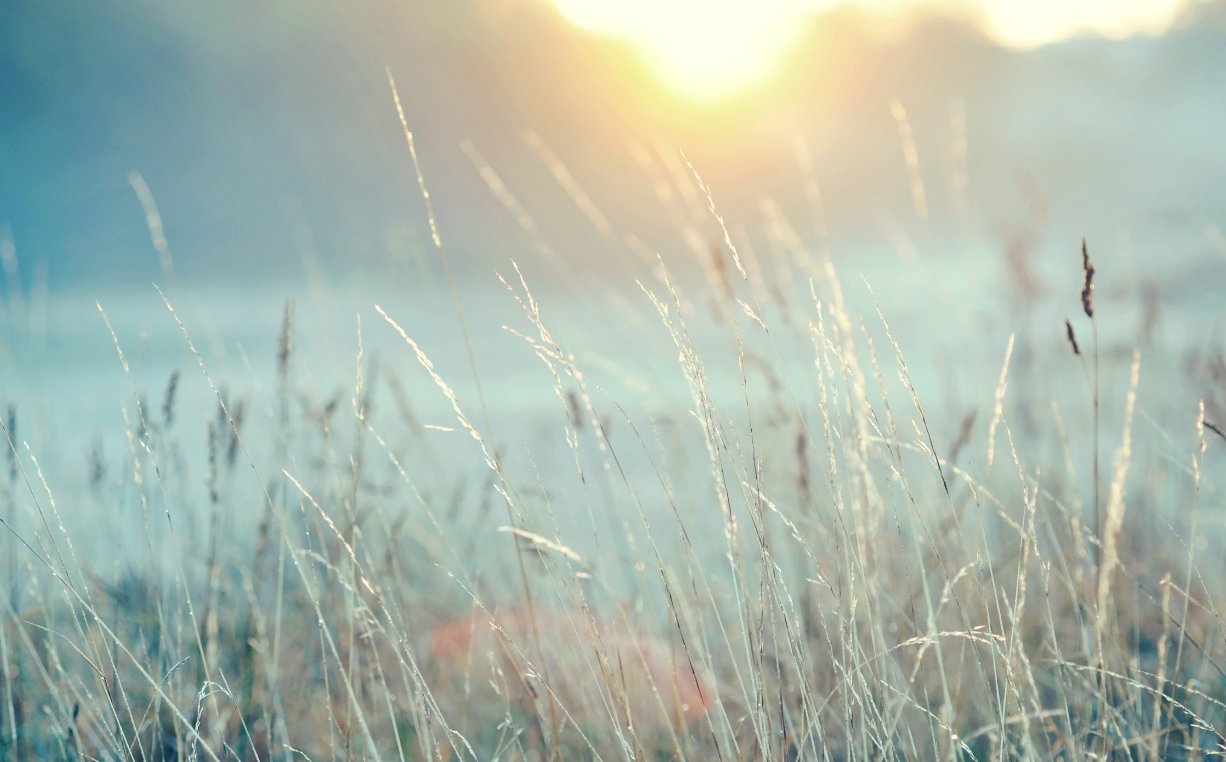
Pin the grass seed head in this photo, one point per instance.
(1072, 337)
(1087, 288)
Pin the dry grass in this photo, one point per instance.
(799, 568)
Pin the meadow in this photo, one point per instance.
(741, 502)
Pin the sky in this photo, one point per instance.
(268, 139)
(1036, 22)
(709, 50)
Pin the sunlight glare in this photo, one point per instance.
(704, 51)
(710, 50)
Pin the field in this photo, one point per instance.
(886, 420)
(725, 517)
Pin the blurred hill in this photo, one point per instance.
(267, 135)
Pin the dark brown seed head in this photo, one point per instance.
(1072, 337)
(1087, 289)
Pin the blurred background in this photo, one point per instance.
(646, 295)
(268, 139)
(240, 155)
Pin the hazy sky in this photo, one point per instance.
(271, 131)
(1034, 22)
(1016, 22)
(706, 50)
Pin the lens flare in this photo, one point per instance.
(704, 51)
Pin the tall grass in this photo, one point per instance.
(799, 565)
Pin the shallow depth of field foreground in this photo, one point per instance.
(514, 384)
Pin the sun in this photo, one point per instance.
(702, 50)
